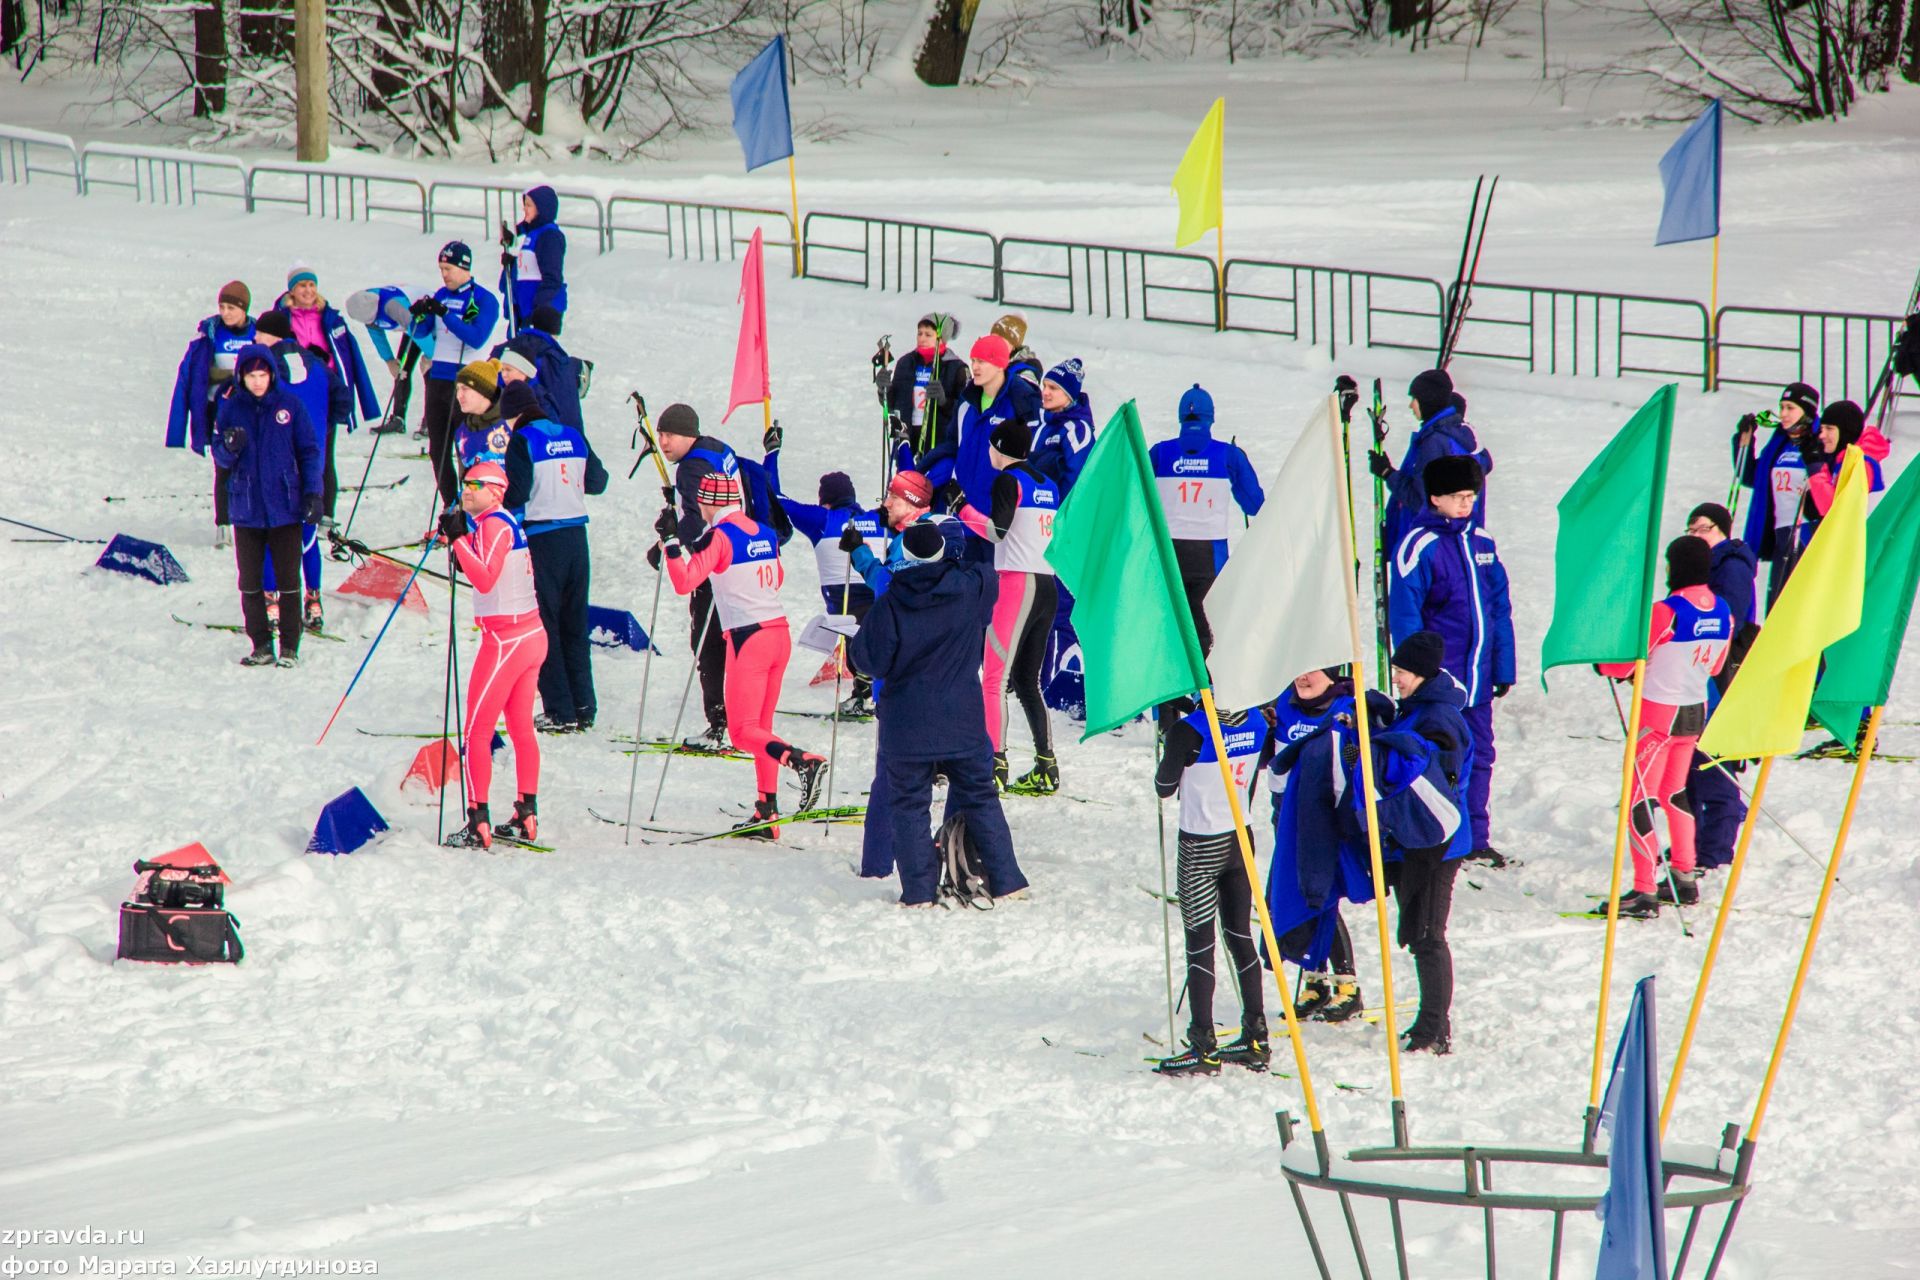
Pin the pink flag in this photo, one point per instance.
(751, 382)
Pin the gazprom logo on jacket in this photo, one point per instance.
(559, 446)
(1240, 741)
(1188, 466)
(760, 547)
(1043, 497)
(1706, 626)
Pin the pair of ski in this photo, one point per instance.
(837, 814)
(241, 630)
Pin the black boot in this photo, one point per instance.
(1686, 882)
(293, 625)
(1417, 1040)
(1634, 906)
(1313, 998)
(812, 771)
(1201, 1058)
(477, 834)
(524, 825)
(765, 809)
(253, 612)
(1251, 1048)
(1345, 1001)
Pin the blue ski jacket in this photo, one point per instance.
(322, 394)
(190, 417)
(548, 244)
(963, 456)
(1429, 735)
(1446, 434)
(348, 364)
(1446, 577)
(279, 464)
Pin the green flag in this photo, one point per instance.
(1607, 554)
(1110, 547)
(1860, 667)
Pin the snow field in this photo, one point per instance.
(732, 1061)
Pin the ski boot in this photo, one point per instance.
(524, 825)
(544, 723)
(1201, 1058)
(288, 658)
(765, 809)
(1000, 772)
(1345, 1001)
(1492, 858)
(1418, 1041)
(1042, 780)
(856, 707)
(812, 771)
(1313, 998)
(392, 426)
(1634, 905)
(477, 834)
(710, 741)
(1251, 1050)
(315, 618)
(1686, 883)
(260, 657)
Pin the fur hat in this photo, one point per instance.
(1453, 473)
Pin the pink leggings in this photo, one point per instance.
(1016, 651)
(506, 674)
(1660, 764)
(755, 667)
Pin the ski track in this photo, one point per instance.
(443, 1059)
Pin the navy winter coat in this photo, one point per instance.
(1446, 434)
(954, 380)
(322, 394)
(921, 644)
(348, 364)
(279, 464)
(556, 380)
(1733, 577)
(549, 245)
(1447, 577)
(190, 416)
(1429, 720)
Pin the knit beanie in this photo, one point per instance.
(836, 490)
(1803, 395)
(1845, 415)
(455, 253)
(1013, 328)
(923, 542)
(512, 359)
(1721, 517)
(301, 271)
(235, 292)
(1452, 473)
(1068, 375)
(274, 324)
(517, 402)
(482, 376)
(1012, 439)
(1422, 653)
(545, 318)
(1689, 562)
(992, 349)
(1432, 391)
(678, 420)
(717, 490)
(941, 323)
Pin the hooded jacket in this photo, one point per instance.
(190, 416)
(325, 398)
(556, 378)
(539, 249)
(1193, 462)
(279, 464)
(908, 371)
(1060, 450)
(348, 363)
(1734, 577)
(1781, 450)
(1446, 577)
(1428, 728)
(1445, 434)
(921, 645)
(963, 455)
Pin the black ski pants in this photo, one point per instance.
(329, 478)
(1423, 882)
(437, 417)
(251, 547)
(709, 655)
(561, 572)
(1213, 882)
(1196, 558)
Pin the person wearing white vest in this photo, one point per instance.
(1201, 480)
(551, 469)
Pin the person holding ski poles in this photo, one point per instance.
(1213, 882)
(740, 559)
(1443, 432)
(491, 547)
(458, 320)
(1777, 474)
(1197, 476)
(533, 258)
(925, 389)
(1691, 634)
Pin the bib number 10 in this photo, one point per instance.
(767, 576)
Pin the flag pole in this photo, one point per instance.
(1266, 924)
(1713, 943)
(1220, 270)
(1713, 320)
(793, 189)
(1348, 580)
(1867, 742)
(1613, 901)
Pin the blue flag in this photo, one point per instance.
(1633, 1233)
(1690, 172)
(760, 115)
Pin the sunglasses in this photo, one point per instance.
(473, 484)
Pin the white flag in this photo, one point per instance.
(1280, 607)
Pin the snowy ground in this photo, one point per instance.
(744, 1061)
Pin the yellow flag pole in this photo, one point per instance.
(1613, 899)
(793, 189)
(1220, 270)
(1266, 921)
(1867, 742)
(1713, 943)
(1378, 863)
(1713, 321)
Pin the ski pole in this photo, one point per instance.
(839, 662)
(667, 758)
(398, 601)
(1646, 792)
(54, 532)
(646, 675)
(409, 357)
(446, 705)
(459, 714)
(1739, 470)
(1166, 925)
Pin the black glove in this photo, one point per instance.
(951, 495)
(311, 509)
(234, 438)
(1350, 753)
(772, 438)
(1378, 463)
(851, 537)
(1502, 690)
(506, 239)
(507, 260)
(897, 429)
(1749, 423)
(427, 306)
(653, 556)
(1812, 456)
(453, 524)
(667, 525)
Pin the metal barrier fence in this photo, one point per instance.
(1577, 333)
(697, 232)
(1333, 305)
(320, 192)
(901, 257)
(157, 176)
(1109, 281)
(1841, 353)
(488, 206)
(1570, 332)
(19, 147)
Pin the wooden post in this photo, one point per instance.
(310, 79)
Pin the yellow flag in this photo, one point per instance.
(1197, 181)
(1765, 710)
